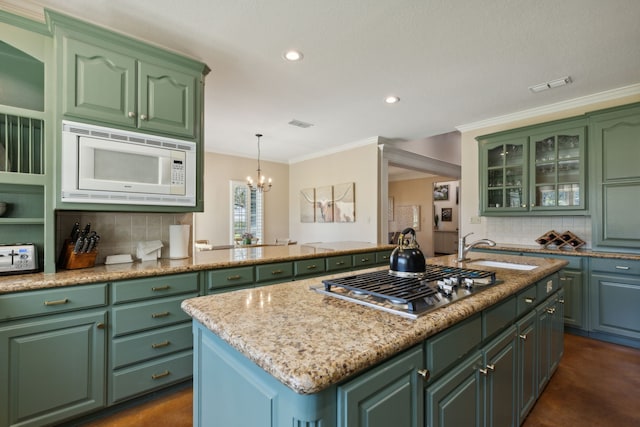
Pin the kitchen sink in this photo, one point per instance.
(503, 264)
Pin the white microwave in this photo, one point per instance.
(103, 165)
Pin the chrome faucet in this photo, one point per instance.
(463, 248)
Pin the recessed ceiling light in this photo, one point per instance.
(293, 55)
(391, 99)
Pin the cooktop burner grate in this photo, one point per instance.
(406, 295)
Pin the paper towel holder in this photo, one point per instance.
(179, 241)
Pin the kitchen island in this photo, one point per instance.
(284, 354)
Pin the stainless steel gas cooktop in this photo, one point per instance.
(405, 296)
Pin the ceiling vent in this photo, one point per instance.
(300, 124)
(550, 84)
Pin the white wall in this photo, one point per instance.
(219, 170)
(358, 165)
(519, 230)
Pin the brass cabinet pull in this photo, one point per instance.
(131, 114)
(236, 277)
(529, 300)
(163, 314)
(57, 302)
(424, 373)
(161, 344)
(523, 337)
(312, 267)
(491, 367)
(364, 260)
(144, 117)
(339, 262)
(385, 257)
(274, 272)
(561, 301)
(100, 325)
(551, 310)
(160, 375)
(483, 371)
(161, 288)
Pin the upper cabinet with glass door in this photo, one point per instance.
(558, 178)
(538, 169)
(504, 177)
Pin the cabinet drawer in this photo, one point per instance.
(50, 301)
(575, 262)
(273, 272)
(365, 259)
(149, 345)
(139, 316)
(496, 318)
(154, 287)
(309, 266)
(451, 345)
(336, 263)
(383, 257)
(623, 266)
(157, 373)
(229, 277)
(547, 286)
(526, 300)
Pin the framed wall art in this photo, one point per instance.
(440, 192)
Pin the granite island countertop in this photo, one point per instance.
(201, 260)
(309, 341)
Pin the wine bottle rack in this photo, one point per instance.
(560, 240)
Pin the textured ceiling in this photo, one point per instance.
(451, 62)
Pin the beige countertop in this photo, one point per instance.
(309, 341)
(204, 260)
(554, 251)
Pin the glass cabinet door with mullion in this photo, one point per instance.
(505, 176)
(557, 172)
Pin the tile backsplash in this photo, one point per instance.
(120, 232)
(525, 230)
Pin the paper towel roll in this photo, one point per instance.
(179, 241)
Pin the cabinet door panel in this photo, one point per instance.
(615, 302)
(501, 389)
(167, 100)
(457, 399)
(100, 83)
(55, 368)
(390, 395)
(527, 364)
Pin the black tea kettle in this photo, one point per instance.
(407, 260)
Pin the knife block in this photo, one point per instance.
(70, 261)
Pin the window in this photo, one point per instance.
(247, 211)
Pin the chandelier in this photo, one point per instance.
(262, 184)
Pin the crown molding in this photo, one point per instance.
(23, 8)
(582, 101)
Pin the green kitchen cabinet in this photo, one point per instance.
(479, 391)
(615, 298)
(614, 150)
(534, 170)
(111, 84)
(391, 394)
(26, 135)
(151, 342)
(527, 329)
(52, 354)
(550, 338)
